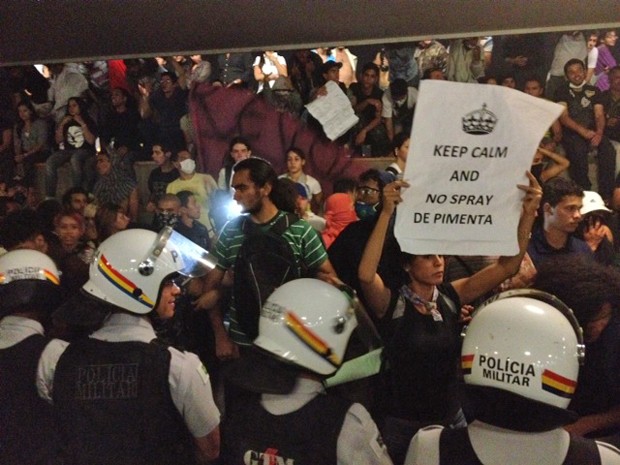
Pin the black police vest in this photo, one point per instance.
(27, 433)
(455, 449)
(308, 436)
(114, 405)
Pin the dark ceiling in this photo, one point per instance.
(34, 31)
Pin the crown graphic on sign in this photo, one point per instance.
(480, 121)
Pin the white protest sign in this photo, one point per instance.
(471, 144)
(333, 111)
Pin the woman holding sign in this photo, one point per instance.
(422, 345)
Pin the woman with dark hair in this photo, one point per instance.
(422, 321)
(110, 219)
(75, 136)
(115, 185)
(295, 162)
(400, 145)
(238, 149)
(606, 60)
(30, 142)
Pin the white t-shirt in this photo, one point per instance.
(269, 68)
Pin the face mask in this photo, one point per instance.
(365, 211)
(163, 219)
(188, 166)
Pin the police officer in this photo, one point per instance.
(520, 359)
(304, 329)
(121, 397)
(29, 291)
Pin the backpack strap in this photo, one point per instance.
(279, 227)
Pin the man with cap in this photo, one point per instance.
(520, 359)
(594, 227)
(304, 329)
(29, 292)
(121, 396)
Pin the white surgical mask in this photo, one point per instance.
(188, 166)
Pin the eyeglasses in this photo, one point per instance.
(366, 191)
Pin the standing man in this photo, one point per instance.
(166, 106)
(120, 396)
(253, 182)
(584, 123)
(561, 203)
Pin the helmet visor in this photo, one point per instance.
(366, 330)
(190, 259)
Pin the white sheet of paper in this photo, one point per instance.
(333, 111)
(463, 198)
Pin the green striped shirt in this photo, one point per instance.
(301, 237)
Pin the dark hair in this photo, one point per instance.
(18, 227)
(175, 154)
(81, 104)
(184, 197)
(284, 195)
(344, 185)
(427, 72)
(47, 211)
(400, 139)
(571, 62)
(398, 87)
(297, 151)
(105, 218)
(173, 77)
(536, 79)
(165, 146)
(372, 175)
(581, 283)
(615, 69)
(603, 35)
(66, 197)
(555, 189)
(238, 140)
(260, 170)
(370, 65)
(21, 123)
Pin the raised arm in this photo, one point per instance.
(488, 278)
(560, 165)
(375, 292)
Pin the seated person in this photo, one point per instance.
(30, 138)
(398, 106)
(75, 134)
(594, 228)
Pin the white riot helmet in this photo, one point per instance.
(130, 266)
(525, 342)
(308, 322)
(28, 279)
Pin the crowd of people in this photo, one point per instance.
(129, 342)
